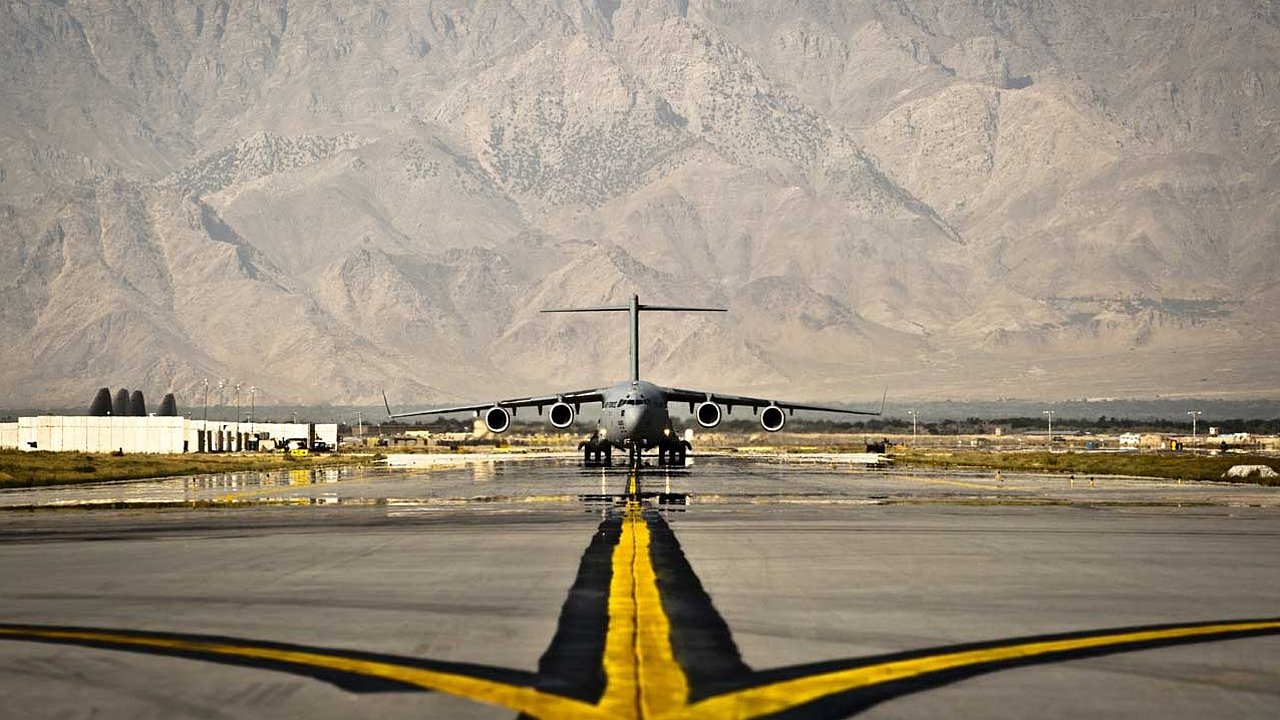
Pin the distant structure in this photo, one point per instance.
(168, 406)
(128, 404)
(137, 404)
(101, 406)
(120, 423)
(120, 408)
(114, 433)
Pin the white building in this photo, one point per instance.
(79, 433)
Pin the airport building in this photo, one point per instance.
(156, 434)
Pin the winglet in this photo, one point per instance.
(387, 404)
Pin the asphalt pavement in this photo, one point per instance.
(739, 587)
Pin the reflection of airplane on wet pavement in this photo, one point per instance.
(634, 414)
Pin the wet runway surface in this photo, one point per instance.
(490, 588)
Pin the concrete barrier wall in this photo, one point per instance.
(9, 436)
(61, 433)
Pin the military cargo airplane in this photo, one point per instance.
(634, 414)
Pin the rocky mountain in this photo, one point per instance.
(968, 199)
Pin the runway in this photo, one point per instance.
(487, 589)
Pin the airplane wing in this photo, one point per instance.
(696, 396)
(575, 397)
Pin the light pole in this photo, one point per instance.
(222, 394)
(253, 401)
(1050, 414)
(1195, 414)
(913, 415)
(359, 424)
(239, 444)
(204, 424)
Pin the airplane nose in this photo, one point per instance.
(633, 421)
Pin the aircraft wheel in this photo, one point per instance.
(679, 457)
(608, 455)
(586, 455)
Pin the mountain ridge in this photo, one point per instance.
(950, 199)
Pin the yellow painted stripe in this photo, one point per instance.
(643, 677)
(522, 699)
(787, 694)
(621, 698)
(663, 685)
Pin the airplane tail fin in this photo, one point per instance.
(635, 308)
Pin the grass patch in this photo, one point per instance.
(32, 469)
(1173, 467)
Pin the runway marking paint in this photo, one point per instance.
(655, 647)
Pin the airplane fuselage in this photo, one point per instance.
(634, 414)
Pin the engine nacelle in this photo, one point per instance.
(497, 419)
(707, 414)
(773, 418)
(561, 415)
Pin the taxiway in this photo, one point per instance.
(330, 594)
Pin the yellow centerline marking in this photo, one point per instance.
(787, 694)
(663, 685)
(643, 678)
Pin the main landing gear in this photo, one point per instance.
(671, 453)
(672, 449)
(596, 451)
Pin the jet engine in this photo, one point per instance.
(497, 419)
(772, 418)
(708, 414)
(561, 415)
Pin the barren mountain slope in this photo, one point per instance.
(965, 199)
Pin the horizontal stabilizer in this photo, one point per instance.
(641, 308)
(635, 308)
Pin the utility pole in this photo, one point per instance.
(1195, 414)
(204, 424)
(913, 415)
(1050, 414)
